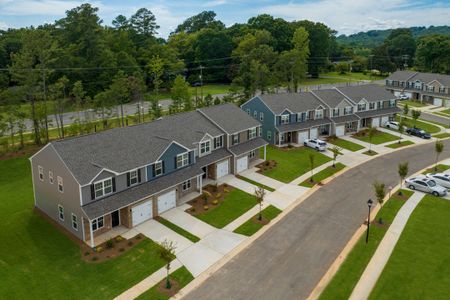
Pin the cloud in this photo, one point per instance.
(214, 3)
(42, 7)
(350, 16)
(3, 26)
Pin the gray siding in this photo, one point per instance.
(47, 195)
(268, 123)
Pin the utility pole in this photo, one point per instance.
(405, 58)
(201, 83)
(371, 67)
(45, 105)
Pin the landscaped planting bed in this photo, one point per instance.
(370, 153)
(325, 173)
(253, 225)
(440, 168)
(399, 145)
(442, 135)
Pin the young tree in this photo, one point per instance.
(208, 100)
(405, 110)
(401, 129)
(311, 157)
(119, 89)
(402, 172)
(342, 67)
(181, 95)
(260, 193)
(380, 191)
(438, 148)
(78, 94)
(371, 133)
(167, 254)
(336, 152)
(58, 92)
(415, 115)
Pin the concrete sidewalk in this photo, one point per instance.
(376, 265)
(255, 176)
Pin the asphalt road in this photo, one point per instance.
(288, 260)
(434, 118)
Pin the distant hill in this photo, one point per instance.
(374, 38)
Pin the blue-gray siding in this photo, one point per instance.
(268, 123)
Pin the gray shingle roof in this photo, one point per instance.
(126, 148)
(331, 97)
(248, 146)
(401, 75)
(215, 156)
(229, 117)
(345, 119)
(378, 112)
(370, 92)
(303, 125)
(424, 77)
(134, 194)
(295, 102)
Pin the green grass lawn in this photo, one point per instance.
(399, 145)
(419, 266)
(255, 183)
(182, 276)
(442, 135)
(412, 103)
(440, 168)
(445, 112)
(430, 128)
(249, 228)
(325, 173)
(39, 262)
(379, 137)
(178, 229)
(234, 205)
(292, 163)
(346, 144)
(353, 76)
(343, 282)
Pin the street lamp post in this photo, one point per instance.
(369, 204)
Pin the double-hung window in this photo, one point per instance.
(362, 107)
(302, 117)
(261, 116)
(134, 177)
(335, 112)
(442, 89)
(61, 212)
(103, 187)
(348, 110)
(319, 114)
(75, 222)
(158, 168)
(60, 184)
(372, 105)
(252, 154)
(248, 111)
(255, 114)
(391, 103)
(205, 148)
(252, 133)
(269, 135)
(97, 223)
(186, 185)
(218, 142)
(50, 177)
(284, 119)
(41, 173)
(235, 139)
(182, 159)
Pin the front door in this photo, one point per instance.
(204, 169)
(115, 220)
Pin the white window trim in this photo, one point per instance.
(158, 163)
(261, 116)
(248, 111)
(204, 151)
(252, 133)
(74, 222)
(134, 177)
(218, 138)
(96, 223)
(50, 177)
(255, 114)
(232, 139)
(252, 154)
(284, 119)
(318, 114)
(41, 173)
(61, 210)
(103, 187)
(186, 185)
(269, 135)
(184, 159)
(60, 184)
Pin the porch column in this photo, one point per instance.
(265, 152)
(91, 234)
(279, 139)
(201, 183)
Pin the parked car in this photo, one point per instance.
(441, 178)
(392, 125)
(317, 144)
(403, 97)
(426, 185)
(418, 132)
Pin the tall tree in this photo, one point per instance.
(144, 22)
(181, 95)
(402, 173)
(279, 28)
(438, 148)
(401, 47)
(205, 19)
(120, 92)
(432, 54)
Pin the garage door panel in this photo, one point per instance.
(223, 169)
(242, 164)
(167, 201)
(384, 120)
(142, 212)
(376, 122)
(302, 136)
(314, 133)
(340, 130)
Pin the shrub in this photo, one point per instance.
(226, 190)
(119, 238)
(215, 201)
(99, 249)
(130, 243)
(218, 195)
(121, 249)
(138, 237)
(225, 185)
(215, 188)
(95, 258)
(109, 244)
(86, 253)
(205, 207)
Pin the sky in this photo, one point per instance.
(344, 16)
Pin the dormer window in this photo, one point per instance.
(372, 105)
(205, 148)
(103, 187)
(252, 133)
(348, 110)
(302, 117)
(441, 89)
(182, 159)
(319, 114)
(361, 107)
(284, 119)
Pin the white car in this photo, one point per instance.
(392, 125)
(441, 178)
(317, 144)
(426, 185)
(403, 97)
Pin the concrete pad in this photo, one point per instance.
(158, 233)
(198, 257)
(255, 176)
(238, 183)
(189, 223)
(292, 190)
(222, 241)
(130, 234)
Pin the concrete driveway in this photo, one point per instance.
(182, 219)
(290, 258)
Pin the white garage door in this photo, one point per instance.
(408, 94)
(314, 133)
(437, 101)
(222, 168)
(376, 122)
(142, 212)
(340, 130)
(242, 164)
(302, 136)
(167, 201)
(397, 93)
(384, 120)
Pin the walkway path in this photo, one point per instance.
(376, 265)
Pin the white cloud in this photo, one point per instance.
(214, 3)
(3, 26)
(350, 16)
(42, 7)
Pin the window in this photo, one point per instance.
(261, 116)
(372, 105)
(282, 137)
(186, 185)
(431, 88)
(284, 119)
(103, 187)
(441, 89)
(379, 104)
(252, 154)
(362, 107)
(205, 148)
(255, 114)
(60, 184)
(50, 177)
(97, 223)
(235, 139)
(269, 135)
(158, 168)
(182, 159)
(335, 112)
(248, 111)
(41, 173)
(133, 177)
(391, 103)
(218, 142)
(302, 117)
(252, 133)
(259, 131)
(75, 222)
(61, 212)
(319, 114)
(348, 110)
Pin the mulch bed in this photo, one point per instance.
(266, 165)
(264, 221)
(104, 252)
(215, 196)
(168, 292)
(402, 197)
